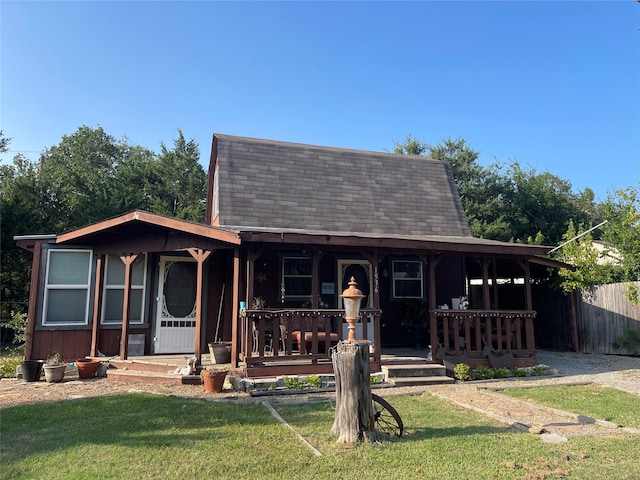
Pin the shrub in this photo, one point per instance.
(539, 370)
(462, 371)
(630, 340)
(314, 381)
(483, 373)
(8, 366)
(502, 372)
(519, 372)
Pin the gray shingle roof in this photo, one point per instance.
(272, 184)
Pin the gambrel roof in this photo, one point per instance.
(267, 184)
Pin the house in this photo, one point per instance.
(287, 225)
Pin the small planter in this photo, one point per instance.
(87, 367)
(54, 373)
(213, 381)
(31, 370)
(220, 352)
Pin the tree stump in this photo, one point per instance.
(354, 419)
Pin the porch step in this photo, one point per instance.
(416, 370)
(412, 375)
(143, 376)
(140, 366)
(417, 381)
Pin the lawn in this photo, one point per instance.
(603, 403)
(148, 436)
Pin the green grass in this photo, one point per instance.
(594, 401)
(146, 436)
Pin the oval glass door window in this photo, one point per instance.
(180, 289)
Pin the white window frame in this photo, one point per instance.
(55, 286)
(284, 276)
(116, 286)
(216, 194)
(395, 277)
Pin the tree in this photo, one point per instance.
(179, 182)
(541, 204)
(79, 174)
(622, 211)
(411, 146)
(480, 188)
(87, 177)
(581, 254)
(512, 203)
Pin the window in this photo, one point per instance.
(407, 279)
(296, 278)
(113, 297)
(66, 292)
(216, 194)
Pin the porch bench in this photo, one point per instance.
(308, 339)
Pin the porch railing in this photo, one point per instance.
(280, 335)
(470, 331)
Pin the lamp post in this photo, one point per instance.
(351, 298)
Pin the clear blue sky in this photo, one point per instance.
(554, 85)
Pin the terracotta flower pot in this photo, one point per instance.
(87, 367)
(213, 381)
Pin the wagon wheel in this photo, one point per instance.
(386, 417)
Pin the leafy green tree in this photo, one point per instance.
(23, 210)
(541, 204)
(512, 203)
(179, 183)
(411, 146)
(79, 174)
(622, 211)
(87, 177)
(481, 189)
(581, 254)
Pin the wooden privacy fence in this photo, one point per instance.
(603, 312)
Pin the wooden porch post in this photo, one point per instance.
(433, 326)
(494, 276)
(374, 260)
(574, 322)
(315, 291)
(252, 256)
(97, 303)
(33, 300)
(234, 308)
(124, 344)
(486, 294)
(200, 256)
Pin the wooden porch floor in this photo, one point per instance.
(395, 355)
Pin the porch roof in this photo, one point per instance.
(430, 243)
(139, 231)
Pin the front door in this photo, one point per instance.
(176, 309)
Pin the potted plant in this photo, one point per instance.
(258, 303)
(213, 379)
(87, 367)
(220, 352)
(31, 370)
(54, 368)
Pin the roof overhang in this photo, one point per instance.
(28, 242)
(140, 231)
(433, 244)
